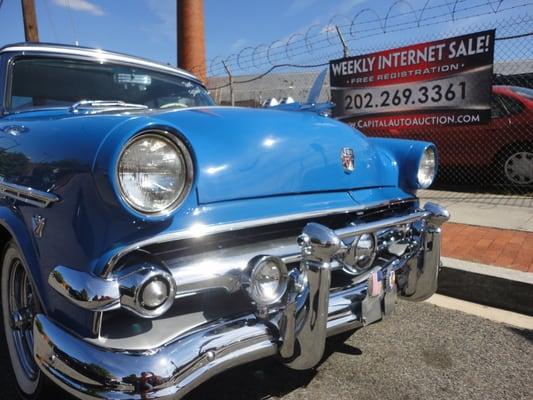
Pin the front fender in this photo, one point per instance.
(407, 155)
(54, 305)
(13, 222)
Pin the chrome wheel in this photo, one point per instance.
(22, 311)
(19, 306)
(518, 168)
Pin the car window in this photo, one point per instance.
(526, 92)
(496, 106)
(53, 82)
(511, 105)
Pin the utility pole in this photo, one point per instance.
(30, 21)
(191, 41)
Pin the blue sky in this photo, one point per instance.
(147, 27)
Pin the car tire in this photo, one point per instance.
(19, 305)
(515, 166)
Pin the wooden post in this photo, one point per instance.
(31, 32)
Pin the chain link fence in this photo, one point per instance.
(490, 158)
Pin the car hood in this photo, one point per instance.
(247, 153)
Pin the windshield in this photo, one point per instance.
(526, 92)
(52, 82)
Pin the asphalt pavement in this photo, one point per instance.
(421, 352)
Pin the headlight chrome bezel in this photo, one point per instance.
(185, 154)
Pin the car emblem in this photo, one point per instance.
(347, 159)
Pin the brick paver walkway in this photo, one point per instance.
(499, 247)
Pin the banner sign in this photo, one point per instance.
(444, 82)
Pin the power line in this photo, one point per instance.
(515, 36)
(67, 3)
(50, 21)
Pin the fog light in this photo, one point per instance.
(147, 290)
(266, 280)
(365, 250)
(361, 255)
(154, 293)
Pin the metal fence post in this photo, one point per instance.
(231, 92)
(345, 49)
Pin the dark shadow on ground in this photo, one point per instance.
(266, 378)
(526, 333)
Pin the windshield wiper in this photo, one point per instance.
(93, 106)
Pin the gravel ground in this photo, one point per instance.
(421, 352)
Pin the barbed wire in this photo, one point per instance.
(300, 44)
(325, 64)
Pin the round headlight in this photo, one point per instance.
(427, 168)
(154, 173)
(266, 282)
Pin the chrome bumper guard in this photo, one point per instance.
(295, 330)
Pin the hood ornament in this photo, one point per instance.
(347, 159)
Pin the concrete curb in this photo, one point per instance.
(484, 284)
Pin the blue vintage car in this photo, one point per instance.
(152, 239)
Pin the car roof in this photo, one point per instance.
(62, 49)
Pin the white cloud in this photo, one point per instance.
(165, 12)
(299, 6)
(346, 6)
(81, 5)
(238, 44)
(342, 7)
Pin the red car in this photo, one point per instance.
(503, 147)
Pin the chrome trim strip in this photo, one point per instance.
(101, 55)
(359, 229)
(27, 194)
(96, 106)
(198, 230)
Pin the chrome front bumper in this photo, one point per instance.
(294, 330)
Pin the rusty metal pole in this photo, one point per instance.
(29, 14)
(191, 42)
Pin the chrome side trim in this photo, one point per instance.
(27, 194)
(199, 230)
(96, 106)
